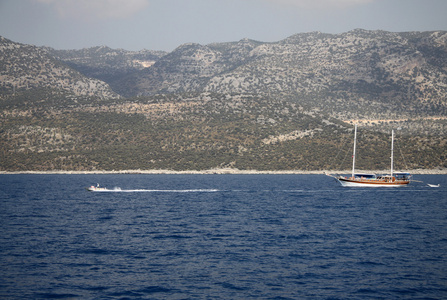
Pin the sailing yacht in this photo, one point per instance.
(395, 179)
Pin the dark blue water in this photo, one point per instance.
(220, 237)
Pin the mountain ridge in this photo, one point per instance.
(246, 105)
(27, 67)
(105, 63)
(337, 70)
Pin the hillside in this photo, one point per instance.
(26, 67)
(187, 69)
(249, 105)
(368, 74)
(196, 132)
(105, 63)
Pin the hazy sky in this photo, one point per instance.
(166, 24)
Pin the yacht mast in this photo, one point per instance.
(353, 154)
(392, 152)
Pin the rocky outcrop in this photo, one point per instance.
(26, 67)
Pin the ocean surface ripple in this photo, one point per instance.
(220, 237)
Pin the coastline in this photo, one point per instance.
(223, 171)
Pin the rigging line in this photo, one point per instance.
(344, 159)
(402, 155)
(339, 151)
(336, 156)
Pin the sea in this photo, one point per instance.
(217, 236)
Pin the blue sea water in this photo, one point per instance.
(220, 237)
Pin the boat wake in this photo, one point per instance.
(119, 190)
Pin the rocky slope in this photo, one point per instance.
(371, 73)
(105, 63)
(26, 67)
(249, 105)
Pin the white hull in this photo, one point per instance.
(96, 189)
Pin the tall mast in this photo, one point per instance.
(353, 153)
(392, 152)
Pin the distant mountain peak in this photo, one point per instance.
(28, 67)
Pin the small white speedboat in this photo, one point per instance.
(433, 185)
(96, 188)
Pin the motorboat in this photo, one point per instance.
(96, 188)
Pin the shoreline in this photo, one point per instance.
(223, 171)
